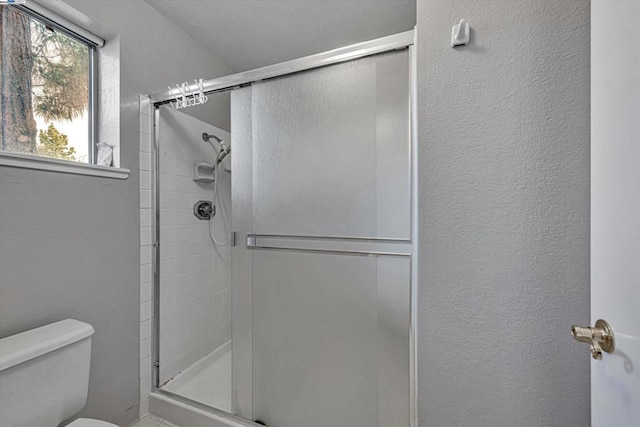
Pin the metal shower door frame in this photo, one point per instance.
(235, 81)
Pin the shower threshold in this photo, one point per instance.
(183, 411)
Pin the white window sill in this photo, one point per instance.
(27, 161)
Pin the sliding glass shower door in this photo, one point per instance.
(322, 261)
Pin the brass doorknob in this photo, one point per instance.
(600, 337)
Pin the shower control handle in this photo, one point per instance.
(204, 210)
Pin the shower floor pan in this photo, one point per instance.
(207, 381)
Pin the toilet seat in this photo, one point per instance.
(87, 422)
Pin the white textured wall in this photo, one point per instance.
(503, 214)
(69, 244)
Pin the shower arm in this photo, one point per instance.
(206, 137)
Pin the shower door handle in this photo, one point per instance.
(252, 244)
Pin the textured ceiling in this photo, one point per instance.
(248, 34)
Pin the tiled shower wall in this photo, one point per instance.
(147, 220)
(195, 274)
(195, 285)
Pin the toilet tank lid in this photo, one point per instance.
(30, 344)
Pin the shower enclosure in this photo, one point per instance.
(306, 318)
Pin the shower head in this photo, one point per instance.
(206, 137)
(224, 152)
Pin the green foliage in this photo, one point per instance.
(55, 144)
(60, 74)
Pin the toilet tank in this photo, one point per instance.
(44, 374)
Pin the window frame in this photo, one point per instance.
(92, 42)
(64, 18)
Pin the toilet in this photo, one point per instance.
(44, 376)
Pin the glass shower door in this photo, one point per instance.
(322, 265)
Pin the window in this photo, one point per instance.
(48, 87)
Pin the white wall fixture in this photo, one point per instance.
(460, 33)
(203, 172)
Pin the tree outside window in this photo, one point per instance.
(45, 87)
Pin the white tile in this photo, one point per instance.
(145, 161)
(204, 260)
(145, 105)
(181, 282)
(167, 199)
(144, 407)
(145, 311)
(166, 182)
(182, 298)
(167, 251)
(167, 303)
(145, 329)
(168, 285)
(146, 143)
(194, 198)
(167, 163)
(146, 217)
(183, 249)
(183, 168)
(146, 236)
(193, 263)
(184, 216)
(145, 348)
(145, 367)
(168, 148)
(145, 387)
(182, 265)
(145, 292)
(193, 232)
(145, 124)
(145, 255)
(181, 233)
(145, 273)
(145, 179)
(183, 184)
(167, 268)
(170, 234)
(146, 199)
(181, 201)
(167, 216)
